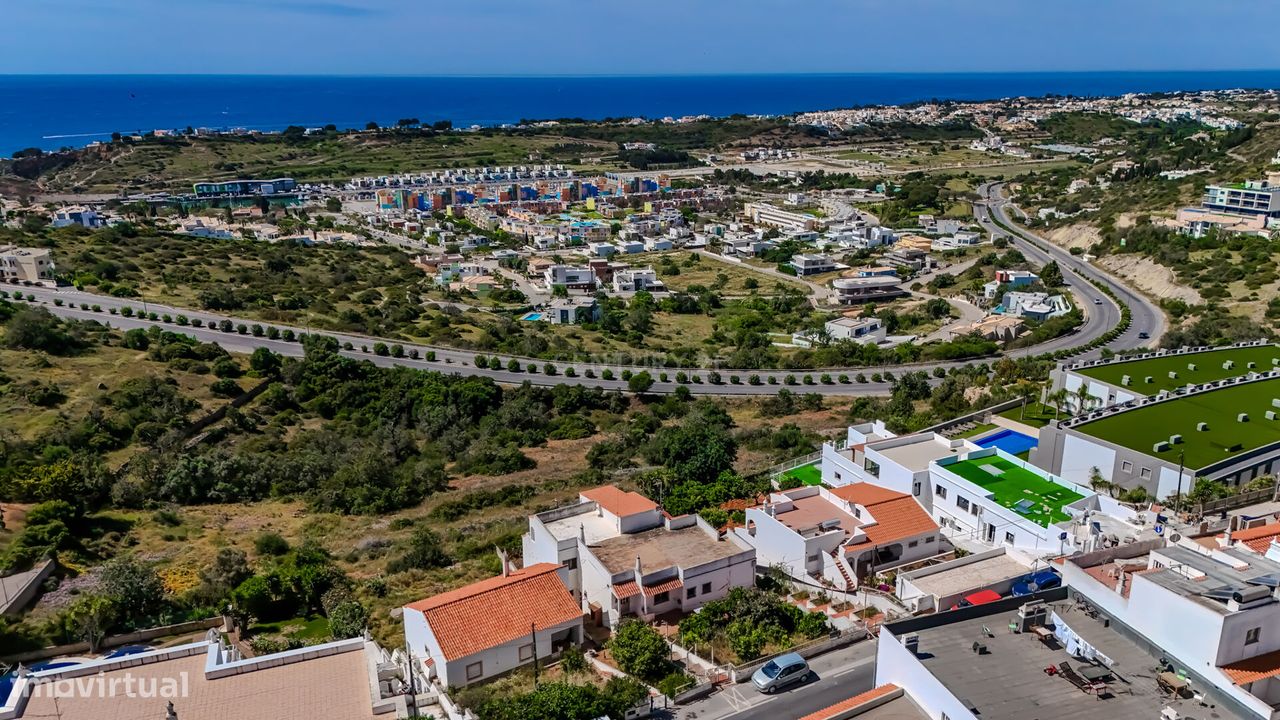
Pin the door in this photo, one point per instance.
(991, 533)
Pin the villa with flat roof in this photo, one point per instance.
(622, 555)
(1224, 430)
(998, 499)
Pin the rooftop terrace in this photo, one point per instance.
(1208, 368)
(1224, 437)
(1018, 489)
(662, 548)
(1009, 682)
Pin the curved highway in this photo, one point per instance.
(1099, 319)
(1144, 315)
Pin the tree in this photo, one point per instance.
(89, 618)
(1051, 275)
(38, 329)
(134, 589)
(639, 650)
(269, 543)
(264, 362)
(348, 620)
(640, 382)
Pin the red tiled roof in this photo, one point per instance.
(618, 501)
(845, 706)
(897, 515)
(665, 586)
(625, 589)
(1257, 539)
(866, 494)
(1259, 667)
(498, 610)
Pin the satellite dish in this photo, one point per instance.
(1174, 537)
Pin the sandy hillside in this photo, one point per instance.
(1150, 277)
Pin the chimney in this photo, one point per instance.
(506, 563)
(638, 575)
(582, 533)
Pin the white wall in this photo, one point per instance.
(894, 664)
(777, 544)
(1080, 456)
(833, 464)
(502, 658)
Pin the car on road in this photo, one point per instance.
(1144, 335)
(1097, 301)
(982, 597)
(1035, 582)
(780, 672)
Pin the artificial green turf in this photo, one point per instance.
(979, 430)
(1140, 429)
(1208, 368)
(807, 474)
(1036, 414)
(1015, 484)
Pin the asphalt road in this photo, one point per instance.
(840, 675)
(1145, 316)
(1099, 319)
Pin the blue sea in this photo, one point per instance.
(53, 111)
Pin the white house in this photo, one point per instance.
(494, 626)
(657, 244)
(840, 535)
(601, 249)
(1212, 612)
(998, 499)
(860, 330)
(637, 279)
(571, 276)
(871, 453)
(624, 557)
(77, 215)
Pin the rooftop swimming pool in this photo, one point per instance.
(1010, 441)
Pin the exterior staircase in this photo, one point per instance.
(849, 584)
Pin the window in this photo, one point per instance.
(706, 588)
(1251, 636)
(913, 543)
(661, 598)
(475, 670)
(973, 510)
(928, 540)
(915, 488)
(1145, 473)
(857, 511)
(872, 468)
(837, 474)
(962, 503)
(1126, 466)
(571, 563)
(814, 558)
(941, 492)
(1008, 538)
(526, 652)
(691, 593)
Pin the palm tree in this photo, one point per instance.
(1058, 398)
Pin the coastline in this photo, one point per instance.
(34, 111)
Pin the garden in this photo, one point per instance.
(748, 624)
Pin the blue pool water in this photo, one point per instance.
(1010, 441)
(532, 316)
(6, 681)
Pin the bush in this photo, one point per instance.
(380, 348)
(639, 650)
(269, 543)
(225, 387)
(606, 374)
(242, 329)
(426, 552)
(573, 660)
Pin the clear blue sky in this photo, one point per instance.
(581, 37)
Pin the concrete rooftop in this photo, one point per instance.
(597, 528)
(916, 456)
(1009, 683)
(971, 577)
(662, 548)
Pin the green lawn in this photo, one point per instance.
(807, 474)
(1011, 484)
(1140, 429)
(310, 628)
(1208, 368)
(1036, 415)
